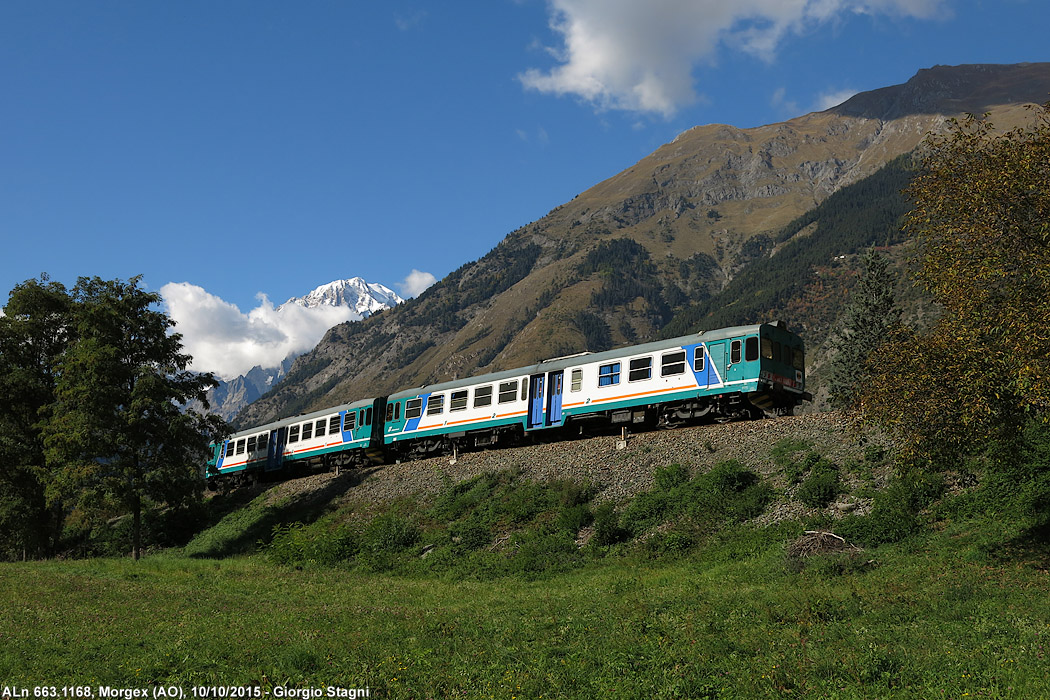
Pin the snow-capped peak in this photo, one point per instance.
(363, 297)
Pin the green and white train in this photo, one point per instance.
(744, 371)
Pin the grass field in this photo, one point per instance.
(488, 590)
(939, 615)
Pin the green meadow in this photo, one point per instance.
(937, 616)
(674, 596)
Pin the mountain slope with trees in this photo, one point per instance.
(703, 216)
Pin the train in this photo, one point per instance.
(725, 374)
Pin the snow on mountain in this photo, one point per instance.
(363, 297)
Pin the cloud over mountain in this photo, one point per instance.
(224, 340)
(639, 56)
(416, 283)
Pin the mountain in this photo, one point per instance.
(355, 293)
(693, 236)
(231, 397)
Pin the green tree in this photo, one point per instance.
(33, 335)
(116, 431)
(982, 218)
(870, 319)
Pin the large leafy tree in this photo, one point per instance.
(33, 336)
(982, 217)
(116, 431)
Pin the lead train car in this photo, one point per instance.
(720, 374)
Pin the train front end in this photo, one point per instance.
(782, 370)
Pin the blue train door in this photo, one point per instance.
(716, 372)
(275, 451)
(555, 381)
(535, 401)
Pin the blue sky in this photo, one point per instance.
(250, 148)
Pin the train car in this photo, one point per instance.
(480, 411)
(722, 374)
(336, 437)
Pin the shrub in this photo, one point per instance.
(607, 529)
(573, 518)
(895, 512)
(389, 532)
(821, 486)
(470, 534)
(729, 493)
(674, 542)
(670, 477)
(648, 509)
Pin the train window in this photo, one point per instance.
(397, 411)
(698, 359)
(734, 352)
(577, 380)
(524, 390)
(368, 417)
(240, 446)
(319, 427)
(389, 412)
(413, 409)
(798, 359)
(609, 375)
(251, 444)
(349, 421)
(767, 348)
(483, 396)
(293, 434)
(776, 352)
(264, 442)
(435, 404)
(508, 391)
(230, 447)
(640, 369)
(308, 431)
(672, 363)
(333, 425)
(458, 401)
(751, 349)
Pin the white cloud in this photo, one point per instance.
(223, 340)
(541, 137)
(410, 21)
(416, 283)
(828, 100)
(639, 56)
(782, 103)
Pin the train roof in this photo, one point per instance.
(557, 363)
(291, 420)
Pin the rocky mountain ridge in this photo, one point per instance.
(617, 263)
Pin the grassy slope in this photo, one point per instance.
(937, 617)
(689, 600)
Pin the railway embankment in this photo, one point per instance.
(620, 469)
